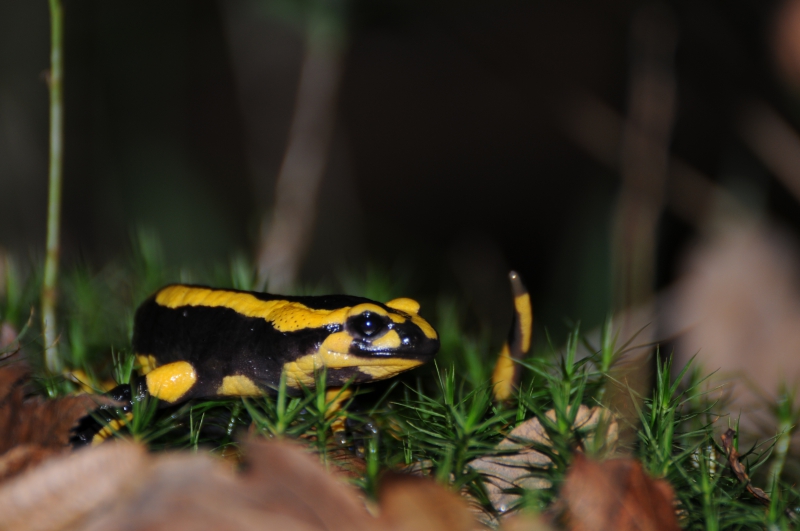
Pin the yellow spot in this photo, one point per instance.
(404, 305)
(171, 381)
(147, 363)
(110, 428)
(503, 375)
(238, 385)
(333, 353)
(522, 304)
(388, 341)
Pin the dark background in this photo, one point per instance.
(449, 159)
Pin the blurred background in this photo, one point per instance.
(619, 154)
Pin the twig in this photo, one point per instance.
(774, 141)
(49, 284)
(285, 240)
(741, 474)
(597, 128)
(738, 468)
(645, 154)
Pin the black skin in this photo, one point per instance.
(220, 342)
(126, 395)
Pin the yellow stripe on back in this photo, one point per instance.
(284, 315)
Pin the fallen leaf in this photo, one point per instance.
(785, 36)
(48, 422)
(616, 495)
(23, 457)
(283, 487)
(33, 428)
(525, 522)
(293, 481)
(346, 465)
(69, 487)
(119, 486)
(36, 420)
(736, 308)
(190, 492)
(411, 503)
(516, 467)
(13, 377)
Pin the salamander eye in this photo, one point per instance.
(367, 324)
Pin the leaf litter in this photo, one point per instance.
(33, 428)
(520, 457)
(615, 495)
(119, 485)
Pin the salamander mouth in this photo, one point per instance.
(410, 344)
(418, 355)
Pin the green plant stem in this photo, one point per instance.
(779, 456)
(49, 284)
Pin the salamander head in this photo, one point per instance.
(370, 342)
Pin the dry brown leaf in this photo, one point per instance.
(738, 306)
(283, 487)
(191, 492)
(514, 470)
(69, 487)
(30, 430)
(13, 377)
(411, 503)
(35, 420)
(346, 465)
(48, 422)
(23, 457)
(785, 35)
(284, 471)
(525, 522)
(616, 495)
(118, 486)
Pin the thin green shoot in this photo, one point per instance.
(52, 359)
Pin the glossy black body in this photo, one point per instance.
(221, 342)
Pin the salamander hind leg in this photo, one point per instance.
(101, 423)
(335, 398)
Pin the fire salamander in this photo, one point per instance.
(200, 342)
